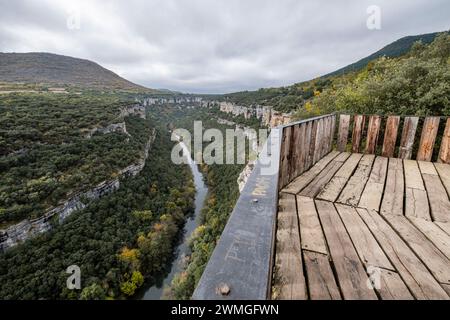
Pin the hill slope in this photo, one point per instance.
(394, 49)
(48, 68)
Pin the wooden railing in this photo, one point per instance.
(241, 264)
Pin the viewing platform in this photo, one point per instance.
(357, 208)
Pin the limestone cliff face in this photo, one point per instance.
(268, 116)
(27, 229)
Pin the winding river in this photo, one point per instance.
(156, 291)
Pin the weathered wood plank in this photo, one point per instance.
(351, 194)
(416, 199)
(349, 269)
(366, 246)
(311, 232)
(444, 172)
(373, 191)
(444, 152)
(344, 126)
(324, 176)
(439, 202)
(390, 136)
(302, 181)
(429, 254)
(427, 139)
(392, 202)
(332, 189)
(290, 281)
(312, 144)
(333, 133)
(415, 275)
(358, 128)
(295, 149)
(408, 135)
(301, 151)
(321, 282)
(435, 234)
(444, 226)
(306, 153)
(373, 130)
(319, 140)
(285, 156)
(325, 136)
(392, 286)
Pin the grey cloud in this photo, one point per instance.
(215, 46)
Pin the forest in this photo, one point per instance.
(120, 242)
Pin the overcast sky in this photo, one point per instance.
(208, 46)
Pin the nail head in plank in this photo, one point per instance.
(350, 272)
(290, 281)
(408, 135)
(413, 272)
(427, 139)
(311, 233)
(373, 130)
(321, 282)
(390, 136)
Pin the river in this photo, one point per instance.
(156, 291)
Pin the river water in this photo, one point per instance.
(155, 292)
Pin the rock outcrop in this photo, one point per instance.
(29, 228)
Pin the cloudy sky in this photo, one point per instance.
(215, 46)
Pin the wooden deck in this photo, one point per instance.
(361, 226)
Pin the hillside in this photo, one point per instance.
(394, 49)
(53, 69)
(289, 98)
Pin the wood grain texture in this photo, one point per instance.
(344, 126)
(413, 272)
(416, 199)
(373, 131)
(321, 282)
(373, 191)
(285, 156)
(444, 173)
(444, 151)
(390, 136)
(392, 286)
(408, 136)
(290, 281)
(434, 233)
(358, 128)
(392, 202)
(427, 139)
(349, 269)
(310, 229)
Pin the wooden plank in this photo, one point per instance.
(435, 260)
(350, 272)
(435, 234)
(392, 202)
(321, 282)
(319, 138)
(373, 130)
(392, 286)
(390, 136)
(367, 247)
(444, 226)
(351, 194)
(439, 202)
(285, 156)
(358, 128)
(301, 151)
(444, 173)
(333, 132)
(413, 272)
(427, 139)
(446, 288)
(325, 136)
(310, 229)
(408, 135)
(344, 126)
(312, 144)
(373, 191)
(416, 199)
(444, 152)
(290, 281)
(295, 149)
(308, 138)
(324, 176)
(302, 181)
(332, 189)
